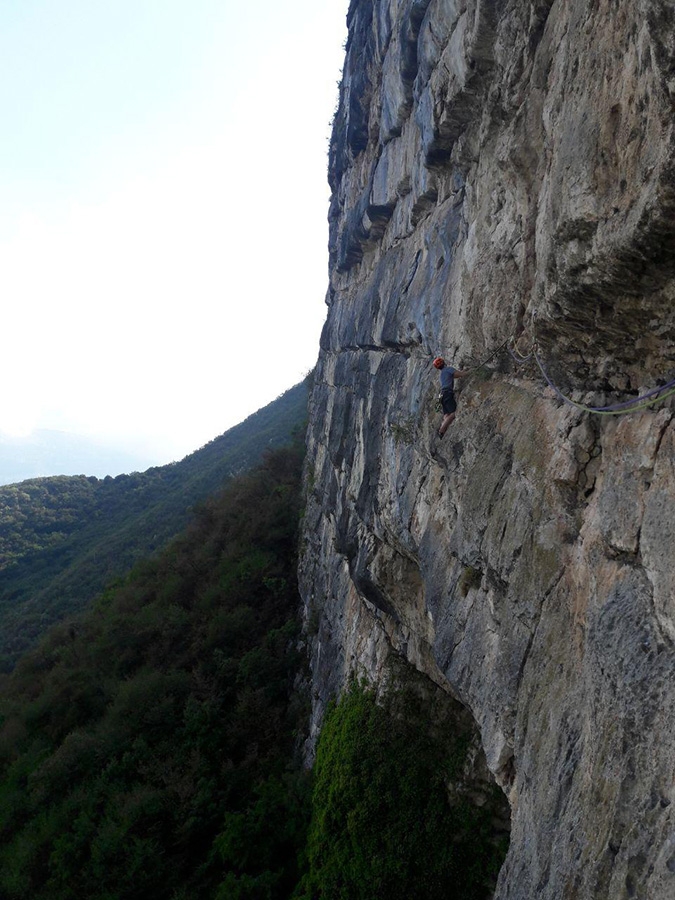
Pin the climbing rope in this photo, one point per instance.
(644, 401)
(520, 360)
(485, 361)
(615, 409)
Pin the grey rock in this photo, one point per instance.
(507, 170)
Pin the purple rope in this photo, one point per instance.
(624, 405)
(520, 359)
(646, 396)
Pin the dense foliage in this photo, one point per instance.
(63, 539)
(146, 749)
(149, 747)
(383, 824)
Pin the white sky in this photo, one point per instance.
(163, 203)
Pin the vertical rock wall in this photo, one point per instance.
(506, 169)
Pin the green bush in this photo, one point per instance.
(382, 822)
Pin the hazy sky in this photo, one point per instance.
(163, 205)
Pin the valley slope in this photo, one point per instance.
(63, 539)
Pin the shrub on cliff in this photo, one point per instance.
(383, 825)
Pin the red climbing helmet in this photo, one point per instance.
(439, 362)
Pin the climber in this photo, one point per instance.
(448, 402)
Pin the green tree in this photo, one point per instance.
(383, 825)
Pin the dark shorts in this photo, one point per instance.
(448, 402)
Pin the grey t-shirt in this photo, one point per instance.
(448, 378)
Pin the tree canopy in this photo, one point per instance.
(147, 748)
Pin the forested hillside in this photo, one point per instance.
(63, 539)
(151, 748)
(147, 748)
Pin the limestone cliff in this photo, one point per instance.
(506, 169)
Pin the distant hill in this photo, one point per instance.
(45, 452)
(63, 539)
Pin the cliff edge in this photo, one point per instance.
(503, 176)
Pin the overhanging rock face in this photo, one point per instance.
(507, 170)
